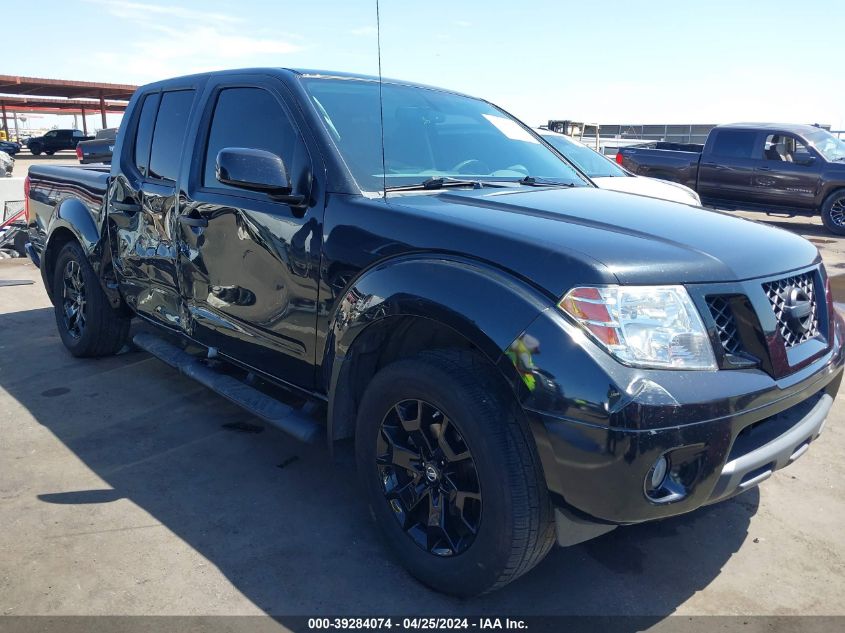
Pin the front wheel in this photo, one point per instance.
(35, 151)
(87, 323)
(833, 212)
(451, 474)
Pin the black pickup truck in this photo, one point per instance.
(793, 169)
(56, 141)
(99, 149)
(520, 357)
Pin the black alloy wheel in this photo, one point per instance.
(837, 211)
(429, 477)
(451, 473)
(73, 299)
(88, 324)
(833, 212)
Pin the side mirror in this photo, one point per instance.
(806, 160)
(254, 169)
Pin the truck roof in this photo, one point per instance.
(300, 72)
(796, 128)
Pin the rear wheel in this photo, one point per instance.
(20, 243)
(451, 474)
(833, 212)
(87, 323)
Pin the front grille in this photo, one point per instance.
(778, 292)
(725, 324)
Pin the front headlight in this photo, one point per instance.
(643, 326)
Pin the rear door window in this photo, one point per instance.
(169, 134)
(734, 143)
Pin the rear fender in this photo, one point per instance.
(72, 219)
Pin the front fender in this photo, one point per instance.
(485, 305)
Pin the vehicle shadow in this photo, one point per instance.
(806, 226)
(813, 232)
(284, 521)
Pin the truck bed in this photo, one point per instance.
(49, 185)
(666, 164)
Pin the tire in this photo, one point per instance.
(93, 328)
(49, 152)
(833, 212)
(19, 243)
(35, 151)
(512, 515)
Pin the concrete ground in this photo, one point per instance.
(126, 489)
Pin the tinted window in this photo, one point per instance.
(734, 143)
(248, 117)
(169, 134)
(144, 133)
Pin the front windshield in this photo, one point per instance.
(590, 162)
(428, 134)
(832, 148)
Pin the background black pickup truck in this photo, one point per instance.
(520, 356)
(98, 150)
(56, 141)
(767, 167)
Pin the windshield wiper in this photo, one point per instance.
(441, 182)
(531, 181)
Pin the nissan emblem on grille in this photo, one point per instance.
(793, 300)
(797, 309)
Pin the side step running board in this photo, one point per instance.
(293, 421)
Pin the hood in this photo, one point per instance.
(560, 237)
(651, 187)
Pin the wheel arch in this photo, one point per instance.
(71, 221)
(830, 190)
(411, 304)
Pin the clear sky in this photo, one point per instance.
(611, 61)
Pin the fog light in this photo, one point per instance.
(658, 473)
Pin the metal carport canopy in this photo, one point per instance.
(65, 95)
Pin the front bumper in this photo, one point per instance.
(599, 428)
(802, 424)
